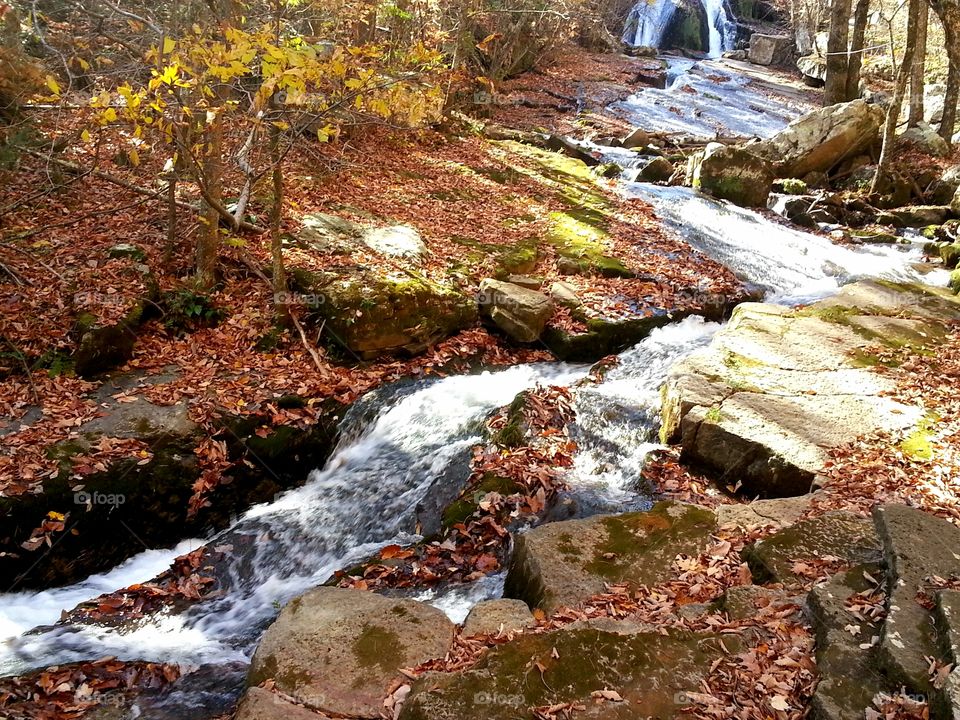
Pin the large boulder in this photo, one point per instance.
(616, 670)
(814, 69)
(371, 313)
(770, 49)
(926, 139)
(822, 139)
(777, 389)
(520, 312)
(564, 563)
(732, 173)
(338, 651)
(492, 617)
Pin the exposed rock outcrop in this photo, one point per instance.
(732, 173)
(518, 311)
(770, 49)
(822, 139)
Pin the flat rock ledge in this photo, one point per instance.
(777, 389)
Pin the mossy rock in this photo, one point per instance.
(102, 348)
(955, 282)
(370, 314)
(950, 254)
(565, 563)
(650, 671)
(339, 651)
(605, 337)
(842, 535)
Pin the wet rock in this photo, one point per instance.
(822, 139)
(814, 69)
(637, 139)
(915, 216)
(950, 254)
(400, 241)
(916, 546)
(657, 169)
(776, 389)
(371, 314)
(839, 534)
(874, 236)
(520, 313)
(338, 651)
(943, 190)
(948, 625)
(770, 49)
(926, 139)
(564, 563)
(495, 616)
(846, 650)
(955, 282)
(732, 173)
(260, 704)
(762, 513)
(648, 671)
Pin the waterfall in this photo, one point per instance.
(649, 20)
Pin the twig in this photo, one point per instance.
(306, 344)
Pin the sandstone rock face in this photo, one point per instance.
(564, 563)
(520, 312)
(762, 513)
(821, 140)
(770, 49)
(495, 616)
(337, 651)
(776, 389)
(649, 670)
(732, 173)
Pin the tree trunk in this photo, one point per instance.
(896, 103)
(860, 16)
(949, 13)
(208, 244)
(280, 300)
(838, 48)
(919, 68)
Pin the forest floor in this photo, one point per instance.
(57, 231)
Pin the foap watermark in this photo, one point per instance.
(295, 298)
(90, 498)
(485, 698)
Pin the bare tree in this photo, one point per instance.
(896, 103)
(860, 17)
(838, 53)
(949, 13)
(919, 67)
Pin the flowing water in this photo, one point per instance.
(649, 21)
(403, 446)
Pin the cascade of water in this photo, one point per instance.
(647, 22)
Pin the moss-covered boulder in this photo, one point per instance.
(370, 313)
(564, 563)
(338, 651)
(732, 173)
(950, 254)
(101, 347)
(645, 674)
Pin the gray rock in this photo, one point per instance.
(764, 513)
(144, 420)
(822, 139)
(746, 601)
(770, 49)
(732, 173)
(520, 313)
(495, 616)
(337, 651)
(849, 676)
(916, 546)
(813, 67)
(565, 294)
(915, 216)
(636, 139)
(400, 241)
(839, 534)
(926, 139)
(657, 169)
(564, 563)
(128, 251)
(260, 704)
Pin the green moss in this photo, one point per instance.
(918, 445)
(955, 282)
(378, 647)
(794, 186)
(714, 415)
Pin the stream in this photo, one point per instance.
(403, 444)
